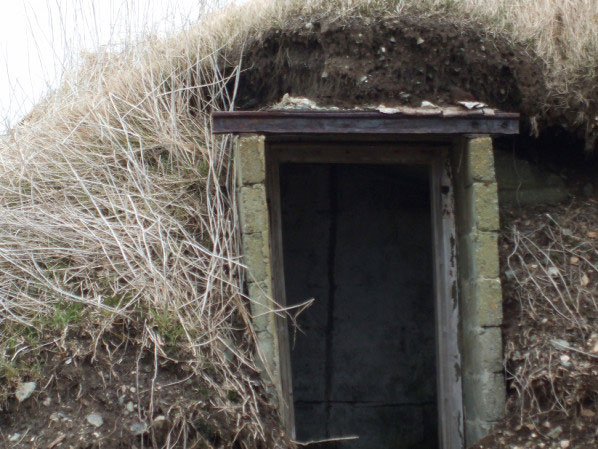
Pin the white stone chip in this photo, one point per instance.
(25, 390)
(95, 419)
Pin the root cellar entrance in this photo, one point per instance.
(358, 240)
(388, 223)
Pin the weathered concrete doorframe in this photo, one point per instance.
(274, 334)
(471, 390)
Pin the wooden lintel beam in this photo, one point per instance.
(343, 123)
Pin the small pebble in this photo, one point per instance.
(95, 419)
(138, 428)
(25, 390)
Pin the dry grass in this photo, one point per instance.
(552, 340)
(115, 206)
(115, 196)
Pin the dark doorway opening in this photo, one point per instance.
(358, 239)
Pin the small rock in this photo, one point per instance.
(160, 421)
(309, 26)
(138, 428)
(132, 389)
(14, 437)
(324, 75)
(130, 407)
(427, 104)
(553, 272)
(587, 413)
(565, 358)
(420, 41)
(555, 433)
(95, 419)
(565, 444)
(574, 260)
(24, 391)
(57, 416)
(46, 402)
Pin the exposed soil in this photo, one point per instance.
(403, 61)
(142, 401)
(390, 61)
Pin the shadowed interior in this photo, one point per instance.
(357, 239)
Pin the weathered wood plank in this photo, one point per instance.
(341, 123)
(287, 410)
(448, 366)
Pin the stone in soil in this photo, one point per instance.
(25, 390)
(95, 419)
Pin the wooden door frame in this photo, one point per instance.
(446, 304)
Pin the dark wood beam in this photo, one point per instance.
(366, 122)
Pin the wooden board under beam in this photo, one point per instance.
(350, 122)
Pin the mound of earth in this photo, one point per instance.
(121, 396)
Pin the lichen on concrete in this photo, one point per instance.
(477, 217)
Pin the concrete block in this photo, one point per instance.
(475, 430)
(485, 198)
(481, 302)
(250, 160)
(485, 254)
(253, 209)
(256, 255)
(465, 256)
(267, 361)
(460, 165)
(481, 159)
(485, 397)
(487, 307)
(464, 203)
(541, 195)
(262, 307)
(482, 350)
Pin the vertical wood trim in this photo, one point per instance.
(449, 388)
(285, 391)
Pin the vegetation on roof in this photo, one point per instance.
(118, 225)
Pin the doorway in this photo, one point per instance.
(357, 238)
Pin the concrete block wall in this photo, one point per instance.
(477, 220)
(250, 168)
(521, 183)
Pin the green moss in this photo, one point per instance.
(65, 313)
(168, 326)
